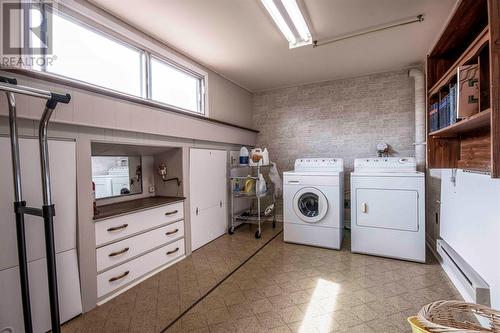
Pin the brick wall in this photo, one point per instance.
(341, 118)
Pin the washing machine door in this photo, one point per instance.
(310, 204)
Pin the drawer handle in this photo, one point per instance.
(171, 213)
(117, 253)
(123, 226)
(119, 277)
(173, 251)
(172, 232)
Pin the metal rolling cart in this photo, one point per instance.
(47, 211)
(254, 215)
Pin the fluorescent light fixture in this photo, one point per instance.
(289, 19)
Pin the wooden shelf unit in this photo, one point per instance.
(472, 52)
(473, 123)
(472, 36)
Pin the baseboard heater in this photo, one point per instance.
(468, 282)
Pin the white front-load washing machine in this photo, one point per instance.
(313, 195)
(388, 208)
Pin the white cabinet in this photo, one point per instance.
(63, 178)
(68, 286)
(208, 194)
(207, 224)
(62, 156)
(132, 246)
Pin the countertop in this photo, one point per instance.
(130, 206)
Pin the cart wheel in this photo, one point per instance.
(231, 231)
(258, 234)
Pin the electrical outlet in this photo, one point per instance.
(151, 189)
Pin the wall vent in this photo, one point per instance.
(468, 282)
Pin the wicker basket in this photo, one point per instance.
(456, 316)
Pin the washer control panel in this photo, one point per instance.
(385, 164)
(319, 164)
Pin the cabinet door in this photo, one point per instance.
(207, 224)
(208, 190)
(219, 227)
(200, 173)
(69, 294)
(220, 176)
(63, 180)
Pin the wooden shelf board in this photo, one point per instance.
(477, 121)
(471, 51)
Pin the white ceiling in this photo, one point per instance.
(238, 39)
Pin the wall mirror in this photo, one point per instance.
(116, 176)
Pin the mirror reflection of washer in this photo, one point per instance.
(313, 202)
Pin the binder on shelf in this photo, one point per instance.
(444, 113)
(434, 117)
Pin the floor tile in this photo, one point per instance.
(283, 288)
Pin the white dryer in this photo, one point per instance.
(313, 207)
(388, 208)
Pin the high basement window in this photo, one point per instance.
(86, 54)
(174, 86)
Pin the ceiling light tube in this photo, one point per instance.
(279, 20)
(289, 19)
(298, 20)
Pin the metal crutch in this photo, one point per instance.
(20, 231)
(47, 212)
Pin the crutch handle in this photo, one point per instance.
(57, 98)
(8, 80)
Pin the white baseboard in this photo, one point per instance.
(468, 282)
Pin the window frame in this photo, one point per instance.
(199, 89)
(146, 55)
(108, 36)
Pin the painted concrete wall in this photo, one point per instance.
(342, 118)
(228, 102)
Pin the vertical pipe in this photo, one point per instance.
(18, 204)
(420, 133)
(48, 216)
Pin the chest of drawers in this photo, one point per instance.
(130, 246)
